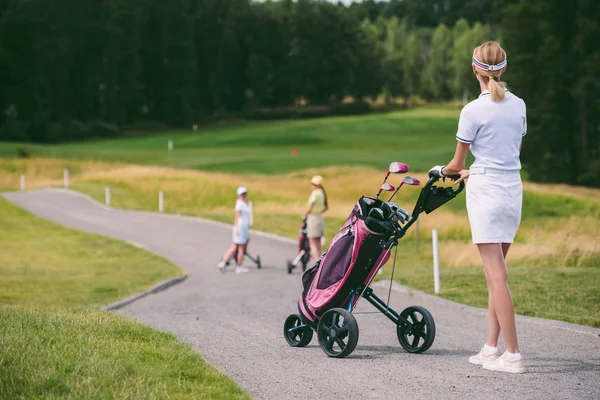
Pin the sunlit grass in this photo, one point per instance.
(52, 343)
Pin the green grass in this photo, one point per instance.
(53, 345)
(570, 294)
(94, 355)
(44, 264)
(420, 137)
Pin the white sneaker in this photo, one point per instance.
(222, 267)
(502, 364)
(481, 358)
(241, 269)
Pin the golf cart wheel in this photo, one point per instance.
(296, 333)
(337, 333)
(290, 267)
(420, 334)
(258, 264)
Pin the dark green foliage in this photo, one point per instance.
(555, 65)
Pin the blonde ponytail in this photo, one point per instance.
(489, 61)
(497, 89)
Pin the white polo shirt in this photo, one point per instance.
(244, 218)
(494, 130)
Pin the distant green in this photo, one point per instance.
(420, 137)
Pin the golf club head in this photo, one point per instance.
(402, 214)
(385, 187)
(376, 213)
(368, 201)
(398, 168)
(411, 180)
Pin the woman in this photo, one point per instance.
(493, 126)
(241, 227)
(315, 224)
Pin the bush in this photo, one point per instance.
(144, 126)
(308, 111)
(24, 152)
(103, 130)
(14, 131)
(77, 130)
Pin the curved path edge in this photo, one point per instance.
(159, 287)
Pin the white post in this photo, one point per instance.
(22, 181)
(107, 196)
(66, 178)
(251, 216)
(436, 261)
(161, 201)
(170, 147)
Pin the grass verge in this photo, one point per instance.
(94, 355)
(53, 346)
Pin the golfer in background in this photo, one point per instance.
(492, 127)
(315, 223)
(241, 228)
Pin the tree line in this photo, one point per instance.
(72, 70)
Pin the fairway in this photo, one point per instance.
(420, 137)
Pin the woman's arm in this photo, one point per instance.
(309, 208)
(237, 217)
(458, 162)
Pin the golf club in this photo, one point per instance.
(395, 168)
(408, 180)
(387, 187)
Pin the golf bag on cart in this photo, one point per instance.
(333, 286)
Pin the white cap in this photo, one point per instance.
(241, 190)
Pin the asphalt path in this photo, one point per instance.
(235, 321)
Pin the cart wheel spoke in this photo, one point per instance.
(340, 343)
(416, 338)
(330, 342)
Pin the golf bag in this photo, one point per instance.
(354, 257)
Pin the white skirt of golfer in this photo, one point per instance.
(494, 206)
(240, 236)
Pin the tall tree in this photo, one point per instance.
(554, 67)
(437, 74)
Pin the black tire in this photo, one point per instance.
(299, 337)
(290, 267)
(421, 328)
(258, 264)
(337, 333)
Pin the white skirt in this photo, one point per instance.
(240, 236)
(494, 203)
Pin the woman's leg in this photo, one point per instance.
(241, 252)
(492, 255)
(493, 324)
(315, 248)
(230, 253)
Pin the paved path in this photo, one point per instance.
(235, 322)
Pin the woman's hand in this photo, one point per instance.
(464, 174)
